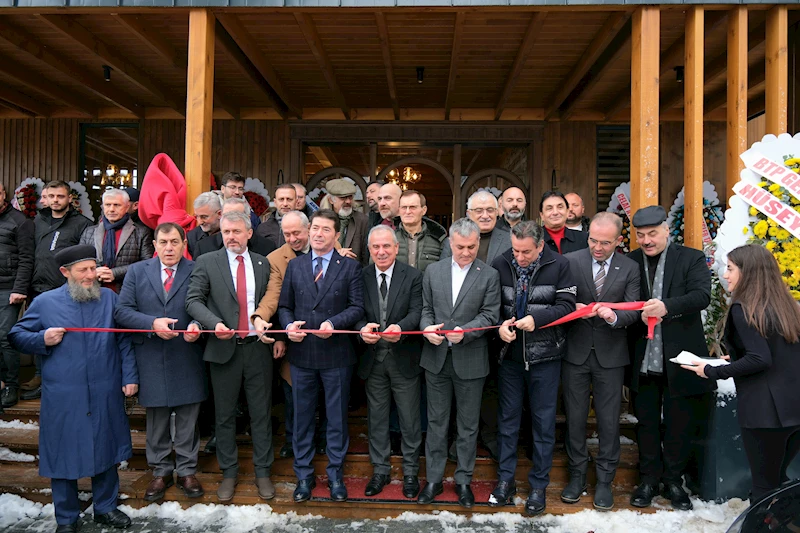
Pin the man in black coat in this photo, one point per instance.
(553, 209)
(207, 210)
(676, 286)
(256, 243)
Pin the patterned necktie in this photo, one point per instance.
(600, 278)
(384, 288)
(241, 295)
(168, 282)
(318, 275)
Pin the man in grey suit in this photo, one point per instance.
(223, 292)
(458, 293)
(597, 353)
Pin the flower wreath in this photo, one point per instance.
(620, 204)
(256, 195)
(79, 199)
(712, 213)
(28, 196)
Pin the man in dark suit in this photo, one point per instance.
(223, 292)
(256, 243)
(207, 210)
(461, 292)
(597, 354)
(553, 210)
(676, 287)
(171, 371)
(390, 365)
(325, 291)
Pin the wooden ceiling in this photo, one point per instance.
(479, 64)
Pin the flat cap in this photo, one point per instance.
(133, 194)
(649, 216)
(74, 254)
(341, 187)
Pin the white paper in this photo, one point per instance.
(688, 358)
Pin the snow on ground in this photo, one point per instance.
(16, 424)
(8, 455)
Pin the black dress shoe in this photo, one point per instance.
(34, 394)
(115, 518)
(303, 491)
(286, 450)
(503, 494)
(338, 490)
(603, 497)
(465, 497)
(430, 492)
(376, 484)
(675, 494)
(67, 528)
(211, 445)
(9, 397)
(410, 486)
(644, 494)
(536, 502)
(575, 488)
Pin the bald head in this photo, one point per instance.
(389, 201)
(513, 203)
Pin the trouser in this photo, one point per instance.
(9, 357)
(394, 421)
(489, 407)
(769, 451)
(159, 442)
(322, 421)
(541, 382)
(105, 488)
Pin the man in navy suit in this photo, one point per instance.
(325, 291)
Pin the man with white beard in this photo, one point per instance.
(354, 225)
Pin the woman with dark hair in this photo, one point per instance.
(762, 335)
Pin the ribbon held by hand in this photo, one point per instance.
(621, 306)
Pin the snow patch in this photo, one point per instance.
(17, 511)
(628, 417)
(8, 455)
(726, 388)
(17, 424)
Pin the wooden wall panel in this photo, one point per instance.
(570, 148)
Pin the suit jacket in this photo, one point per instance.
(573, 241)
(339, 300)
(211, 298)
(687, 291)
(193, 237)
(404, 308)
(610, 343)
(499, 243)
(172, 372)
(356, 237)
(256, 244)
(477, 305)
(271, 229)
(135, 244)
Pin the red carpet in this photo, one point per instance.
(393, 492)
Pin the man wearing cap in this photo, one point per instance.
(676, 287)
(84, 430)
(133, 208)
(353, 224)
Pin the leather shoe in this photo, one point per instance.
(680, 500)
(115, 518)
(465, 497)
(410, 486)
(603, 497)
(303, 490)
(376, 484)
(266, 490)
(9, 397)
(34, 394)
(503, 494)
(286, 450)
(211, 445)
(67, 528)
(338, 490)
(644, 494)
(226, 489)
(575, 488)
(536, 502)
(34, 383)
(157, 487)
(430, 492)
(190, 486)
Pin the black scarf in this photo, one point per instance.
(110, 240)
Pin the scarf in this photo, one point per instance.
(110, 240)
(653, 361)
(343, 223)
(523, 277)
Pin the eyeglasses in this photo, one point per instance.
(604, 244)
(234, 188)
(479, 210)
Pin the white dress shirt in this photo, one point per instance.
(164, 267)
(389, 271)
(458, 276)
(250, 279)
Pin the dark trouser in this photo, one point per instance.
(322, 421)
(105, 489)
(682, 418)
(541, 380)
(606, 386)
(251, 364)
(159, 442)
(386, 382)
(9, 357)
(305, 392)
(489, 406)
(769, 451)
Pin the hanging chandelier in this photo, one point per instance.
(113, 178)
(403, 179)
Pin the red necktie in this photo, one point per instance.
(241, 295)
(169, 280)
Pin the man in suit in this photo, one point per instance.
(172, 377)
(390, 365)
(458, 293)
(676, 287)
(207, 210)
(553, 210)
(285, 197)
(373, 190)
(256, 243)
(597, 354)
(322, 291)
(353, 235)
(223, 291)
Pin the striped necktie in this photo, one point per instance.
(600, 278)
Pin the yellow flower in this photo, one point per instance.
(772, 223)
(782, 234)
(771, 245)
(753, 212)
(795, 295)
(760, 229)
(745, 230)
(762, 184)
(773, 231)
(774, 187)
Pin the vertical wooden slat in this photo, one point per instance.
(777, 78)
(693, 129)
(458, 200)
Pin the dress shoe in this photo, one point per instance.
(303, 490)
(575, 488)
(465, 497)
(157, 487)
(34, 383)
(536, 502)
(67, 528)
(226, 489)
(376, 484)
(115, 518)
(9, 397)
(34, 394)
(644, 494)
(338, 490)
(675, 494)
(503, 494)
(286, 450)
(603, 497)
(410, 486)
(266, 490)
(430, 492)
(211, 445)
(190, 486)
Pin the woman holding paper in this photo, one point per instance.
(762, 334)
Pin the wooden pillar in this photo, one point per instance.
(693, 129)
(373, 161)
(199, 102)
(777, 78)
(645, 70)
(458, 201)
(737, 96)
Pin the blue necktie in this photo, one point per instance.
(318, 271)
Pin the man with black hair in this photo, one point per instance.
(232, 186)
(553, 209)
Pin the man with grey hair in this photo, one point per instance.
(389, 204)
(300, 202)
(256, 243)
(207, 210)
(458, 293)
(353, 224)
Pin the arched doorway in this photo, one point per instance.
(487, 174)
(319, 179)
(439, 193)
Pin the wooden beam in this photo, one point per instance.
(324, 156)
(306, 25)
(601, 41)
(25, 76)
(23, 102)
(16, 109)
(777, 69)
(755, 76)
(458, 29)
(459, 209)
(645, 70)
(383, 35)
(736, 129)
(152, 39)
(199, 102)
(524, 51)
(693, 128)
(373, 162)
(472, 161)
(110, 149)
